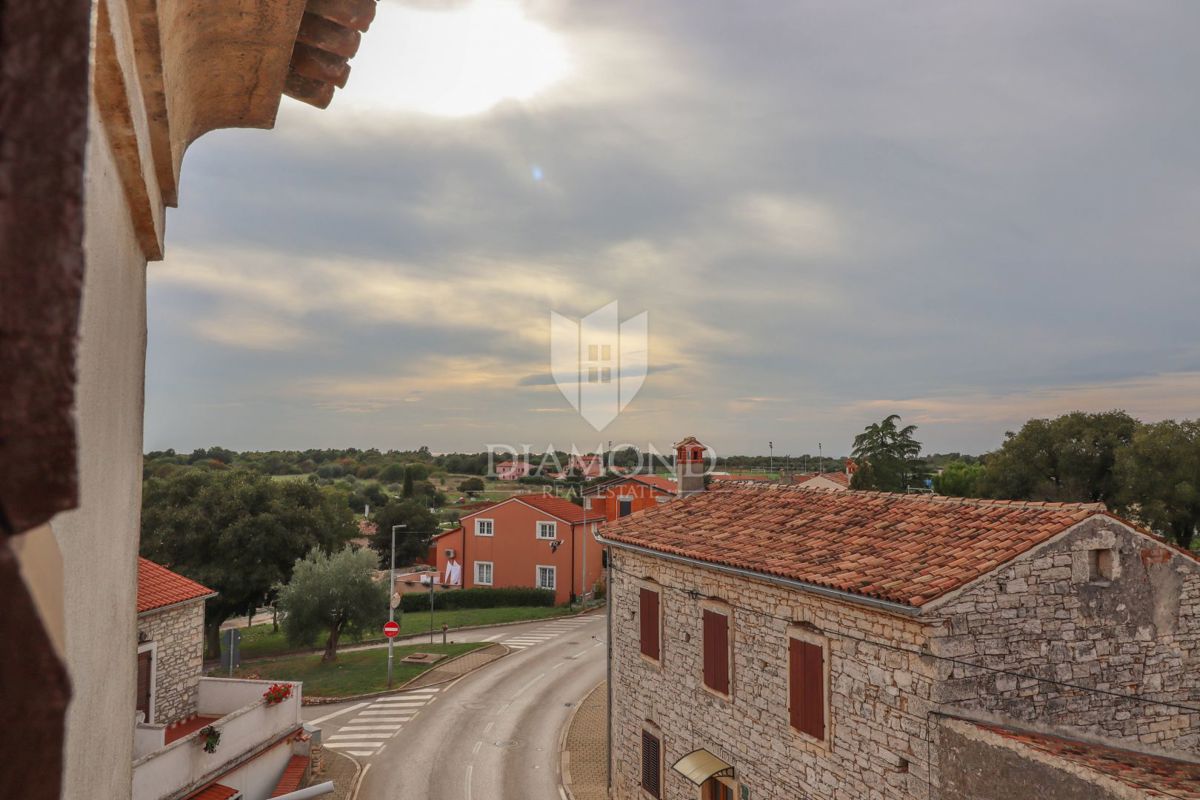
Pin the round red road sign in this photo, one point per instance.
(391, 629)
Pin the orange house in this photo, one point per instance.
(535, 540)
(620, 497)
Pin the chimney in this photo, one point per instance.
(689, 466)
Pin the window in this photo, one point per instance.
(651, 764)
(807, 681)
(651, 624)
(716, 651)
(1100, 565)
(483, 573)
(547, 530)
(484, 527)
(717, 789)
(546, 578)
(626, 504)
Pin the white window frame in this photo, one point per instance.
(537, 577)
(491, 525)
(491, 573)
(553, 530)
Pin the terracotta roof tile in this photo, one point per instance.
(213, 792)
(293, 775)
(907, 549)
(1156, 776)
(159, 587)
(558, 506)
(836, 477)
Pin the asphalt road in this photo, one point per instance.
(491, 735)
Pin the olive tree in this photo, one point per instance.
(337, 594)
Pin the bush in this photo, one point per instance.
(478, 598)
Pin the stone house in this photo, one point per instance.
(170, 650)
(772, 641)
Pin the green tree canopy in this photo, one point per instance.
(412, 541)
(472, 485)
(958, 479)
(237, 532)
(887, 456)
(332, 594)
(1158, 479)
(1069, 459)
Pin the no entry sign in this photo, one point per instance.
(391, 629)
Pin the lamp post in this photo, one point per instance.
(771, 447)
(391, 601)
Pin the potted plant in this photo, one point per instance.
(277, 693)
(210, 737)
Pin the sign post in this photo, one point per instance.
(391, 629)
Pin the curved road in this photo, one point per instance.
(493, 734)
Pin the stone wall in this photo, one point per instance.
(879, 696)
(1046, 617)
(178, 636)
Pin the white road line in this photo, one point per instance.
(405, 704)
(385, 712)
(354, 743)
(470, 769)
(492, 638)
(370, 728)
(362, 753)
(319, 720)
(526, 686)
(559, 664)
(475, 750)
(488, 727)
(388, 719)
(358, 737)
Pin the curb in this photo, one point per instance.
(564, 757)
(404, 687)
(209, 663)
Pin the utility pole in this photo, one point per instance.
(820, 460)
(391, 600)
(771, 447)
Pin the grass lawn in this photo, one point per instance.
(258, 641)
(354, 673)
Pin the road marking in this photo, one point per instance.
(492, 638)
(526, 686)
(362, 753)
(399, 704)
(488, 727)
(354, 743)
(357, 738)
(475, 750)
(370, 728)
(319, 720)
(388, 719)
(559, 664)
(470, 769)
(383, 712)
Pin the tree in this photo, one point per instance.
(1158, 479)
(412, 541)
(1069, 459)
(238, 532)
(392, 473)
(958, 479)
(887, 456)
(335, 593)
(408, 483)
(472, 485)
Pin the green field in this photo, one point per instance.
(259, 641)
(359, 672)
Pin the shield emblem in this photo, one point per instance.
(599, 363)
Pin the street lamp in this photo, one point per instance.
(391, 600)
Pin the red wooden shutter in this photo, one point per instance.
(650, 764)
(650, 624)
(143, 684)
(716, 651)
(806, 687)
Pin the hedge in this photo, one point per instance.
(477, 598)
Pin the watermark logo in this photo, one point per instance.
(599, 363)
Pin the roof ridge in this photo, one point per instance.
(926, 498)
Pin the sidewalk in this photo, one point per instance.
(585, 751)
(458, 667)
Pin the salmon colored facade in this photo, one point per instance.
(512, 543)
(622, 497)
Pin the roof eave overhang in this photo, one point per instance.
(790, 583)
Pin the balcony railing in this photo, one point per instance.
(247, 726)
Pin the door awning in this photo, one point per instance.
(700, 765)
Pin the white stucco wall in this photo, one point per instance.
(99, 540)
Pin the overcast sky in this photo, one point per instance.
(965, 213)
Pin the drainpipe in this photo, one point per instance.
(312, 791)
(609, 648)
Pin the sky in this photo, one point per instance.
(969, 214)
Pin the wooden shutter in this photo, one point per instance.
(650, 624)
(806, 687)
(716, 651)
(651, 762)
(143, 684)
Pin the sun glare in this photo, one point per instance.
(455, 62)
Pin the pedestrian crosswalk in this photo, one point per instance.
(546, 632)
(369, 730)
